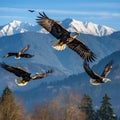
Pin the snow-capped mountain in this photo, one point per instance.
(15, 27)
(87, 27)
(70, 24)
(65, 63)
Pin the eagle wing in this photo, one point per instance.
(51, 26)
(31, 10)
(10, 54)
(24, 49)
(107, 69)
(27, 55)
(90, 72)
(61, 33)
(15, 70)
(81, 49)
(39, 75)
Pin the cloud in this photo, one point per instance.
(93, 5)
(5, 17)
(98, 4)
(115, 14)
(70, 12)
(10, 9)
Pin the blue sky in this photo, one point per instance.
(103, 12)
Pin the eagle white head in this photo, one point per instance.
(20, 82)
(106, 80)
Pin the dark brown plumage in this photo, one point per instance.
(19, 54)
(31, 11)
(64, 38)
(96, 79)
(24, 76)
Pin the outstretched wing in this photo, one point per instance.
(107, 69)
(61, 33)
(31, 10)
(81, 49)
(90, 72)
(39, 75)
(10, 54)
(27, 55)
(24, 49)
(15, 70)
(52, 26)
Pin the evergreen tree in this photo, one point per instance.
(10, 110)
(87, 107)
(106, 112)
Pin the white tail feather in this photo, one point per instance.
(94, 82)
(20, 82)
(55, 44)
(17, 57)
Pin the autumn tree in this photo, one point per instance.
(10, 110)
(63, 107)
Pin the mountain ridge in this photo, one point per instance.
(80, 83)
(71, 25)
(87, 27)
(67, 62)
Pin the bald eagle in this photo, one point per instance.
(31, 11)
(24, 76)
(96, 79)
(64, 38)
(20, 54)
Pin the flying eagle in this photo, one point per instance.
(24, 76)
(20, 54)
(96, 79)
(64, 38)
(31, 11)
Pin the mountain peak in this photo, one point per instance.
(15, 22)
(16, 26)
(71, 25)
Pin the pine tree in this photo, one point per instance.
(106, 112)
(10, 110)
(87, 107)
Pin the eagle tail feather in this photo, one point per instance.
(17, 57)
(56, 44)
